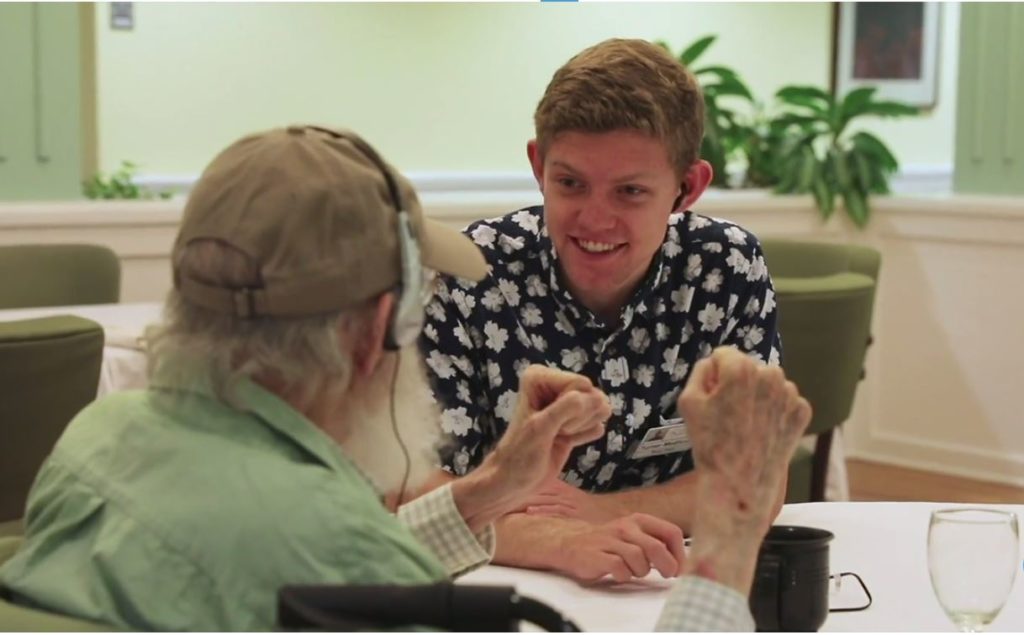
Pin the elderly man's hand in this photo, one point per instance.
(745, 421)
(555, 412)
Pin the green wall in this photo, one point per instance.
(990, 128)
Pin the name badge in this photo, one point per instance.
(671, 436)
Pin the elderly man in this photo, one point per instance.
(286, 400)
(612, 278)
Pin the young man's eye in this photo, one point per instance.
(568, 182)
(633, 190)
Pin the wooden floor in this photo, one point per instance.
(878, 482)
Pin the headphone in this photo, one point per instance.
(407, 316)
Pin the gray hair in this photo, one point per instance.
(192, 343)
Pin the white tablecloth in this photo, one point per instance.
(885, 543)
(124, 363)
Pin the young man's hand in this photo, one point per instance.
(623, 549)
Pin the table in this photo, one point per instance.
(885, 543)
(124, 363)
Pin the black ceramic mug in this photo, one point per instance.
(791, 583)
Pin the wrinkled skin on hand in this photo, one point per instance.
(745, 421)
(555, 412)
(558, 498)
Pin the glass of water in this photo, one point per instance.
(973, 556)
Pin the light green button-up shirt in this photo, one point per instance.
(169, 510)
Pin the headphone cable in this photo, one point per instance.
(398, 437)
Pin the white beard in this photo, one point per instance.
(370, 440)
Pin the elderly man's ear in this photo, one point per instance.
(368, 347)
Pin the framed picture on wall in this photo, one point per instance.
(891, 45)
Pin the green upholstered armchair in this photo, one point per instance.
(49, 370)
(825, 295)
(58, 275)
(15, 618)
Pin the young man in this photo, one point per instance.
(261, 450)
(611, 278)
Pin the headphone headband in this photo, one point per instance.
(407, 316)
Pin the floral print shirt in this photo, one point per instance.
(706, 287)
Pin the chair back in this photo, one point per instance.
(825, 295)
(58, 275)
(49, 370)
(22, 619)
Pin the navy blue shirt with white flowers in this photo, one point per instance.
(706, 287)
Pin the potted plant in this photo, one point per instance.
(817, 152)
(804, 144)
(119, 185)
(724, 127)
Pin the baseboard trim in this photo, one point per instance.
(967, 462)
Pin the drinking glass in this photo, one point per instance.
(973, 556)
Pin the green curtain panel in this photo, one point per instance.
(58, 275)
(825, 295)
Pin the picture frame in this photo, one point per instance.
(893, 46)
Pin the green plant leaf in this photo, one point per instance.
(717, 71)
(808, 170)
(788, 171)
(856, 206)
(824, 197)
(807, 97)
(858, 98)
(842, 171)
(788, 92)
(790, 146)
(873, 146)
(712, 151)
(854, 104)
(729, 86)
(789, 119)
(694, 51)
(118, 185)
(889, 109)
(864, 175)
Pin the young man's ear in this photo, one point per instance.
(368, 348)
(695, 181)
(536, 162)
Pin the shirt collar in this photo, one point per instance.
(271, 411)
(637, 303)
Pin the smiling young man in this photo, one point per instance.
(612, 278)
